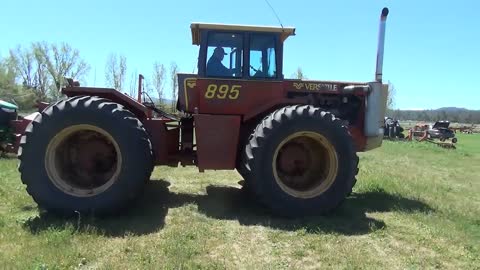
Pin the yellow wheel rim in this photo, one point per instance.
(83, 160)
(305, 164)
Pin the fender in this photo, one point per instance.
(131, 104)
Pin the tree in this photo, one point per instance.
(468, 118)
(158, 79)
(423, 116)
(443, 115)
(115, 71)
(391, 96)
(60, 61)
(31, 70)
(23, 62)
(7, 79)
(42, 67)
(173, 78)
(133, 83)
(10, 91)
(299, 74)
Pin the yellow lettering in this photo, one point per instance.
(234, 92)
(211, 89)
(224, 91)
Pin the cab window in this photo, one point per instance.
(262, 56)
(224, 55)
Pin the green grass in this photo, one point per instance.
(415, 206)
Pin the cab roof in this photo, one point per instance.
(196, 28)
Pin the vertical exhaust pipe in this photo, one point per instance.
(376, 102)
(140, 83)
(381, 43)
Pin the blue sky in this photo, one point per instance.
(431, 52)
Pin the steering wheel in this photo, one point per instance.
(258, 72)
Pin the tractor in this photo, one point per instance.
(294, 142)
(8, 113)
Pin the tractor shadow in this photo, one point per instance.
(224, 202)
(145, 216)
(232, 203)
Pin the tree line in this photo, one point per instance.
(456, 115)
(37, 72)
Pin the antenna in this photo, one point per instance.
(276, 15)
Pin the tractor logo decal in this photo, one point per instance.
(298, 86)
(315, 86)
(191, 83)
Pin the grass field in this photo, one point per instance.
(415, 206)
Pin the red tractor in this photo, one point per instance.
(293, 141)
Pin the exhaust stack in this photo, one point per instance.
(140, 84)
(381, 43)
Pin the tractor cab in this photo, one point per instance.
(234, 52)
(248, 52)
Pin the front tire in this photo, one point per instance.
(85, 154)
(302, 161)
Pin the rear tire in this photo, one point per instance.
(302, 161)
(85, 154)
(240, 166)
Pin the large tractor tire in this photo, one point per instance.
(85, 154)
(241, 165)
(302, 161)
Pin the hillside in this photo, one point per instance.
(453, 109)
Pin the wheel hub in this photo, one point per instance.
(305, 164)
(294, 159)
(83, 160)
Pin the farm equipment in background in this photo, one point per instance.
(293, 141)
(440, 130)
(393, 130)
(12, 125)
(8, 113)
(464, 129)
(438, 133)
